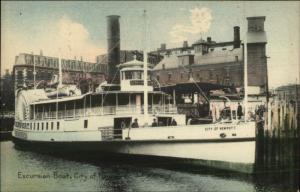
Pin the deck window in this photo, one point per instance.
(85, 123)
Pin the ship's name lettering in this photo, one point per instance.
(220, 128)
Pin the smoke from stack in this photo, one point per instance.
(236, 37)
(113, 48)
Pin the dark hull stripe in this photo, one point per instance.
(109, 146)
(221, 140)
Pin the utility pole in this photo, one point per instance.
(267, 93)
(267, 77)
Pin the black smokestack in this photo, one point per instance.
(236, 37)
(208, 39)
(185, 44)
(113, 48)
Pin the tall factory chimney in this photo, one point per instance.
(236, 37)
(113, 48)
(257, 58)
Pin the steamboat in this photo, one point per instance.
(130, 118)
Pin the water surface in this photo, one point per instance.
(31, 171)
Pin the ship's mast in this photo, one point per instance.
(34, 72)
(246, 76)
(59, 74)
(34, 75)
(145, 71)
(59, 85)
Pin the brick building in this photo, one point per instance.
(217, 62)
(73, 70)
(128, 55)
(46, 67)
(205, 61)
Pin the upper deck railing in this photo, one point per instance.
(106, 110)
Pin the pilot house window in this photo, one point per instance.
(128, 75)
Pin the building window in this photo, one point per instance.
(52, 125)
(169, 76)
(38, 126)
(30, 125)
(236, 58)
(210, 74)
(163, 66)
(227, 72)
(181, 75)
(42, 126)
(157, 77)
(47, 126)
(57, 126)
(33, 126)
(85, 123)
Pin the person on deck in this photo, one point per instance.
(239, 111)
(123, 125)
(135, 124)
(154, 123)
(173, 123)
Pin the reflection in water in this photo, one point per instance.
(22, 171)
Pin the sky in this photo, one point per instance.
(69, 29)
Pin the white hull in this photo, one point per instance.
(205, 143)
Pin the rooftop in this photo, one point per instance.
(216, 56)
